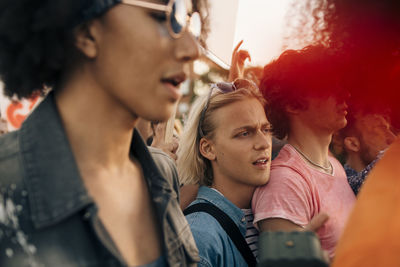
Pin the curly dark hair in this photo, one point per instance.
(294, 76)
(34, 40)
(366, 34)
(37, 40)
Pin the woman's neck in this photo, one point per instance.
(98, 129)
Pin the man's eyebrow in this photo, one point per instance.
(252, 127)
(245, 127)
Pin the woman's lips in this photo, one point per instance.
(174, 91)
(172, 83)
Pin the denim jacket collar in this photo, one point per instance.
(216, 198)
(55, 188)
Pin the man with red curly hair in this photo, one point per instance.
(307, 106)
(367, 34)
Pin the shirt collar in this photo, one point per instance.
(161, 190)
(55, 188)
(216, 198)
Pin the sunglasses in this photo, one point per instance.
(178, 19)
(223, 87)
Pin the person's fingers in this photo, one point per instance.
(175, 146)
(242, 56)
(173, 156)
(237, 47)
(325, 255)
(317, 222)
(175, 138)
(159, 133)
(170, 147)
(160, 129)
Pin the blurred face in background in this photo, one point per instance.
(375, 135)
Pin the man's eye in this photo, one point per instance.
(244, 133)
(268, 130)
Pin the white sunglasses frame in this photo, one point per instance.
(168, 10)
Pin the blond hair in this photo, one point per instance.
(193, 168)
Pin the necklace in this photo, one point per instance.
(328, 169)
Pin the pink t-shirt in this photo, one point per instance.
(297, 192)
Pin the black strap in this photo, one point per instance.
(229, 226)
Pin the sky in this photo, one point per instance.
(260, 23)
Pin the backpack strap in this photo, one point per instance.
(229, 226)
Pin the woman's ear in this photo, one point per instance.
(85, 39)
(207, 149)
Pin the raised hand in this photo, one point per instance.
(159, 141)
(237, 63)
(317, 222)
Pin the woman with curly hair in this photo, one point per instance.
(80, 186)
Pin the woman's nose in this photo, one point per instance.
(187, 48)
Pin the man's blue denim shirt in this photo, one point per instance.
(215, 246)
(47, 217)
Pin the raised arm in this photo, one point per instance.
(237, 63)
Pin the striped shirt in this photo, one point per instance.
(251, 232)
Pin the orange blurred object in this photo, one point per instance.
(372, 235)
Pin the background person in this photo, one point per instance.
(362, 143)
(366, 33)
(154, 134)
(306, 106)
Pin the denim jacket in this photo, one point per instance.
(47, 217)
(215, 246)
